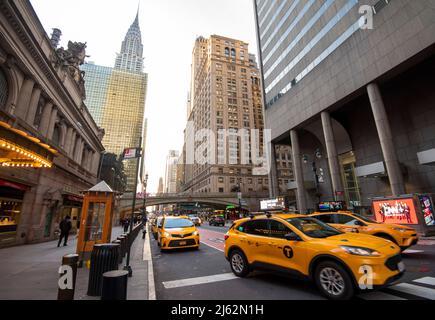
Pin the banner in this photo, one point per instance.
(131, 153)
(395, 211)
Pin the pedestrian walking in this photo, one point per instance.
(65, 228)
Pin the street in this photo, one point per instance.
(206, 275)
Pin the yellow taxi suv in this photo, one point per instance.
(155, 225)
(339, 263)
(176, 233)
(403, 236)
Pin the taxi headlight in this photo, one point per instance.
(360, 251)
(196, 233)
(166, 234)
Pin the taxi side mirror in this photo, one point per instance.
(292, 237)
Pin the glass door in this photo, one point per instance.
(350, 181)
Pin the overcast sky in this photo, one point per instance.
(169, 29)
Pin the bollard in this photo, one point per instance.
(120, 257)
(104, 258)
(67, 281)
(115, 285)
(123, 240)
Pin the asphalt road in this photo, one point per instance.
(206, 275)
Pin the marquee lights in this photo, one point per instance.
(29, 159)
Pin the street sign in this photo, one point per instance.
(131, 153)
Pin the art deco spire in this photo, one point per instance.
(131, 56)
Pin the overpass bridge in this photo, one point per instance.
(252, 200)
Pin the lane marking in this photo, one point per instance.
(147, 256)
(211, 246)
(426, 280)
(415, 290)
(199, 281)
(413, 251)
(379, 296)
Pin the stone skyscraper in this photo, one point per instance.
(131, 56)
(117, 96)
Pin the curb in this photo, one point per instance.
(147, 256)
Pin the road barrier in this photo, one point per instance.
(115, 285)
(68, 276)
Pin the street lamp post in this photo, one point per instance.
(101, 164)
(145, 183)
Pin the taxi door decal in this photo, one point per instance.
(288, 252)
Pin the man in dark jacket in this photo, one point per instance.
(65, 228)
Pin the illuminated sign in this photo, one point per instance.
(273, 204)
(332, 206)
(427, 208)
(395, 211)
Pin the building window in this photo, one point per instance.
(221, 190)
(4, 89)
(221, 180)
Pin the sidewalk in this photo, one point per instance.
(30, 272)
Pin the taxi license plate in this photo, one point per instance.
(182, 243)
(401, 267)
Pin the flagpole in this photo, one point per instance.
(133, 209)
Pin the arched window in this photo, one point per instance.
(233, 53)
(227, 52)
(4, 89)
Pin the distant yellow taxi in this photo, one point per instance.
(176, 233)
(339, 263)
(155, 225)
(403, 236)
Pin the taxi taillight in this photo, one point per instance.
(226, 237)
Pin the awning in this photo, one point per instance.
(20, 150)
(13, 185)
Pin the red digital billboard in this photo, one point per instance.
(395, 211)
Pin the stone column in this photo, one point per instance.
(79, 152)
(36, 95)
(386, 139)
(64, 132)
(273, 175)
(24, 98)
(68, 142)
(298, 172)
(53, 120)
(331, 149)
(45, 118)
(96, 163)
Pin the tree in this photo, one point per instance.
(112, 171)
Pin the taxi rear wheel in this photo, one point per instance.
(239, 264)
(334, 281)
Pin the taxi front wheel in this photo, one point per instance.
(334, 281)
(239, 264)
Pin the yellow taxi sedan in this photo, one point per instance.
(403, 236)
(339, 263)
(177, 233)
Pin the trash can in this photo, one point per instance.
(115, 285)
(104, 258)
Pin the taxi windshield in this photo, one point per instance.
(313, 228)
(178, 223)
(365, 219)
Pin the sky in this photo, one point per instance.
(169, 29)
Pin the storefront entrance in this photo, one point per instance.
(11, 203)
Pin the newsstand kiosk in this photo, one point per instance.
(415, 210)
(96, 219)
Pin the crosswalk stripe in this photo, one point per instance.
(426, 280)
(419, 291)
(378, 295)
(198, 281)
